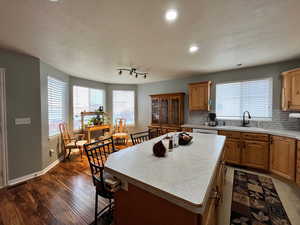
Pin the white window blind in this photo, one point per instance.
(123, 106)
(57, 92)
(255, 96)
(86, 99)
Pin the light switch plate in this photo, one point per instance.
(23, 121)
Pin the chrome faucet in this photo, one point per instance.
(246, 122)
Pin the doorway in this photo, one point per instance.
(3, 131)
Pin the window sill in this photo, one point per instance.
(240, 118)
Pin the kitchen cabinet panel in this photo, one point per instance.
(283, 157)
(255, 154)
(232, 151)
(291, 90)
(199, 96)
(298, 164)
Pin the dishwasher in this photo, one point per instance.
(204, 131)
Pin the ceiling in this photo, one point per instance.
(92, 38)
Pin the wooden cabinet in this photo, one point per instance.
(291, 90)
(283, 157)
(232, 151)
(232, 147)
(247, 149)
(255, 154)
(298, 164)
(199, 96)
(210, 214)
(167, 111)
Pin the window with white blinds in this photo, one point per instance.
(57, 113)
(88, 100)
(255, 96)
(123, 106)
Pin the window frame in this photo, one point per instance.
(134, 106)
(241, 116)
(65, 106)
(88, 87)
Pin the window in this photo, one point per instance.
(57, 93)
(85, 99)
(123, 106)
(255, 96)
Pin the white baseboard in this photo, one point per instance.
(33, 175)
(52, 165)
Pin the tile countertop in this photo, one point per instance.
(284, 133)
(184, 177)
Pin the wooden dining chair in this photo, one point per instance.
(70, 141)
(120, 132)
(140, 137)
(97, 153)
(154, 132)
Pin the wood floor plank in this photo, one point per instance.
(63, 196)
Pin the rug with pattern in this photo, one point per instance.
(255, 201)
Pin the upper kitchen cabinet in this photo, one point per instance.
(199, 96)
(291, 90)
(167, 110)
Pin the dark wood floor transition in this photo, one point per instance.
(65, 195)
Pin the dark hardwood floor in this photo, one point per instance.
(65, 195)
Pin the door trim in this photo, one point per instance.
(3, 137)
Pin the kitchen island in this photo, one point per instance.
(182, 188)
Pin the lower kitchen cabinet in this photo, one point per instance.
(283, 157)
(232, 151)
(298, 164)
(255, 154)
(247, 149)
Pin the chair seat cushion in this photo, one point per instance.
(71, 145)
(123, 135)
(81, 143)
(106, 193)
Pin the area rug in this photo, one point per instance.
(255, 201)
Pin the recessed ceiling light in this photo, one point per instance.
(194, 48)
(53, 0)
(171, 15)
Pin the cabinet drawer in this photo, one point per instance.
(255, 136)
(230, 134)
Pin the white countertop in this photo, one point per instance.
(285, 133)
(183, 177)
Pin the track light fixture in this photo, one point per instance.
(133, 71)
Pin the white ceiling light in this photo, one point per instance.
(53, 0)
(194, 48)
(171, 15)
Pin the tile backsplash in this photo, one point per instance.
(280, 121)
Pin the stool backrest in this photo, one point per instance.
(97, 154)
(140, 137)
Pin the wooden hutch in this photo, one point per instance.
(167, 112)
